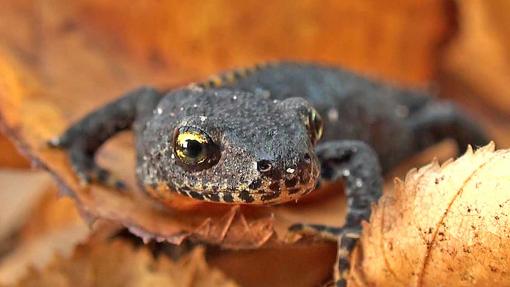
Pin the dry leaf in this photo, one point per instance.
(9, 156)
(66, 58)
(482, 42)
(117, 263)
(21, 190)
(444, 225)
(395, 39)
(294, 265)
(53, 226)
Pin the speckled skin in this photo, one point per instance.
(260, 114)
(352, 107)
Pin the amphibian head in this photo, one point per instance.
(229, 146)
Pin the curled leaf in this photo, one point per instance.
(443, 225)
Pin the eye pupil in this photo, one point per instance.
(315, 126)
(192, 148)
(317, 123)
(264, 165)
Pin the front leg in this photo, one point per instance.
(84, 137)
(357, 164)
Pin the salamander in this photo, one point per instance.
(271, 134)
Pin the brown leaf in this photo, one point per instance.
(482, 42)
(118, 264)
(10, 157)
(296, 265)
(21, 191)
(52, 226)
(444, 225)
(394, 39)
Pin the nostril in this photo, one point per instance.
(307, 157)
(264, 165)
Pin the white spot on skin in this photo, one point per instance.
(172, 114)
(333, 114)
(159, 111)
(346, 172)
(290, 170)
(182, 108)
(172, 156)
(55, 141)
(275, 101)
(234, 98)
(195, 87)
(195, 105)
(402, 111)
(203, 118)
(359, 182)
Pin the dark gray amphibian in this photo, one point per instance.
(270, 134)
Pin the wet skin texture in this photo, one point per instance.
(270, 134)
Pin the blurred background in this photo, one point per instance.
(83, 53)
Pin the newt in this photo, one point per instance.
(270, 134)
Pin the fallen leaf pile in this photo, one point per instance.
(117, 263)
(41, 90)
(60, 59)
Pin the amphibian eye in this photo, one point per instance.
(315, 126)
(194, 149)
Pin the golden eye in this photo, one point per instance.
(194, 149)
(315, 126)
